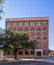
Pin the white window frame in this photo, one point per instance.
(14, 24)
(8, 24)
(32, 23)
(38, 23)
(20, 23)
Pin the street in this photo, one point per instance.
(51, 58)
(30, 62)
(27, 63)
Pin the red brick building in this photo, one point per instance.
(36, 27)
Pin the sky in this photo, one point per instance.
(30, 8)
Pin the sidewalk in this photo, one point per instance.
(19, 60)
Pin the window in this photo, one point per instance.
(20, 53)
(44, 38)
(26, 52)
(20, 29)
(38, 33)
(44, 23)
(44, 33)
(38, 29)
(26, 23)
(32, 30)
(38, 38)
(8, 24)
(38, 47)
(32, 34)
(44, 47)
(32, 23)
(14, 30)
(14, 24)
(20, 23)
(32, 52)
(26, 30)
(44, 42)
(38, 42)
(32, 38)
(44, 29)
(38, 23)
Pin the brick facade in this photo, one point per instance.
(36, 27)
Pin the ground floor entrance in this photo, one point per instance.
(38, 52)
(28, 53)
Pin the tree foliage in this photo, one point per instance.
(16, 39)
(1, 8)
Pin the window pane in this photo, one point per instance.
(26, 30)
(32, 34)
(38, 29)
(44, 42)
(44, 33)
(38, 42)
(26, 23)
(44, 38)
(38, 23)
(20, 24)
(38, 47)
(45, 47)
(8, 24)
(44, 23)
(32, 38)
(32, 30)
(44, 29)
(14, 24)
(38, 38)
(38, 33)
(14, 30)
(32, 23)
(20, 29)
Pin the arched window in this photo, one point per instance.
(38, 38)
(20, 29)
(44, 38)
(44, 29)
(38, 29)
(38, 33)
(14, 30)
(44, 42)
(32, 38)
(44, 33)
(26, 30)
(32, 34)
(38, 42)
(32, 30)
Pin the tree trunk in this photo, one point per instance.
(15, 53)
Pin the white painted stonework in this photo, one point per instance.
(38, 50)
(1, 55)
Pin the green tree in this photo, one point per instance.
(19, 39)
(24, 40)
(1, 7)
(34, 45)
(14, 39)
(15, 42)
